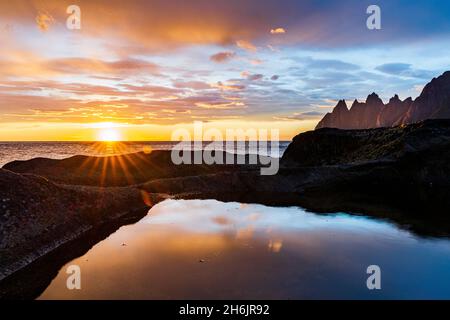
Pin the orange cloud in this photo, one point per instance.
(246, 45)
(220, 105)
(84, 65)
(195, 85)
(35, 66)
(44, 20)
(277, 31)
(157, 25)
(160, 25)
(228, 86)
(256, 62)
(245, 74)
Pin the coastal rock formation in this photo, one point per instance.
(394, 112)
(37, 215)
(433, 103)
(330, 146)
(120, 170)
(364, 115)
(407, 167)
(337, 118)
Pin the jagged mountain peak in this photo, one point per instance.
(395, 99)
(433, 103)
(341, 106)
(373, 98)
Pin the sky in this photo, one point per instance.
(146, 68)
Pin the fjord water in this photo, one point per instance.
(206, 249)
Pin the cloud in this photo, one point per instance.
(137, 105)
(48, 85)
(114, 69)
(44, 20)
(221, 105)
(162, 25)
(155, 91)
(298, 116)
(229, 86)
(256, 62)
(322, 64)
(195, 85)
(418, 88)
(85, 65)
(405, 70)
(245, 74)
(312, 113)
(277, 31)
(222, 56)
(246, 45)
(293, 117)
(272, 48)
(255, 77)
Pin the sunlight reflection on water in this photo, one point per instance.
(10, 151)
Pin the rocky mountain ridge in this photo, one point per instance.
(433, 103)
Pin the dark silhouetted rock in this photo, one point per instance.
(338, 118)
(37, 215)
(392, 114)
(433, 103)
(361, 115)
(120, 170)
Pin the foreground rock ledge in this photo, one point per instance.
(38, 215)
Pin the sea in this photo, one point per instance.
(10, 151)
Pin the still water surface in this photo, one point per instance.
(206, 249)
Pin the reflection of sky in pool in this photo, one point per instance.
(209, 249)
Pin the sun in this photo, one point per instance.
(109, 134)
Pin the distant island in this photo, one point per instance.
(433, 103)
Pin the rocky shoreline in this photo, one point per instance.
(38, 215)
(401, 174)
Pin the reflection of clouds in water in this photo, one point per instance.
(253, 216)
(245, 233)
(209, 216)
(221, 220)
(275, 245)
